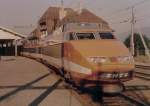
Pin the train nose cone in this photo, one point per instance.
(108, 48)
(79, 52)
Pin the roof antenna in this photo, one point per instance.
(80, 7)
(62, 3)
(62, 12)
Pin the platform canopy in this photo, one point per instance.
(9, 34)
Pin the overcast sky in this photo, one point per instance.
(23, 13)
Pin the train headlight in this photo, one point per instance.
(125, 59)
(98, 59)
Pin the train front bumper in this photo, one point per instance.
(104, 79)
(112, 72)
(108, 73)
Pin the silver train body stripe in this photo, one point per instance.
(68, 65)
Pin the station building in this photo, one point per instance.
(56, 16)
(10, 42)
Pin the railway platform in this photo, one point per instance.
(25, 82)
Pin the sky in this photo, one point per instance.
(22, 15)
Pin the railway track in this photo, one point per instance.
(142, 74)
(142, 66)
(134, 101)
(114, 101)
(122, 100)
(127, 98)
(92, 98)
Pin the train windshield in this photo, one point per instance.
(106, 36)
(85, 36)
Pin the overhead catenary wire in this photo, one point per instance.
(125, 10)
(120, 22)
(138, 19)
(133, 21)
(143, 17)
(129, 7)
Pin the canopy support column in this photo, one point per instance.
(16, 48)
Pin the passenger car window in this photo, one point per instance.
(85, 35)
(106, 36)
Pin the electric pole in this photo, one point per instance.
(132, 33)
(62, 3)
(79, 9)
(62, 12)
(132, 49)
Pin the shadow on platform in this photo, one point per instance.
(20, 88)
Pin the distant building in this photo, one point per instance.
(56, 16)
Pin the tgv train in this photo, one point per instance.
(87, 55)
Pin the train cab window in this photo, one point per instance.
(85, 36)
(106, 36)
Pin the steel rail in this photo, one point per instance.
(142, 66)
(132, 100)
(142, 75)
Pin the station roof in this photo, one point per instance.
(9, 34)
(71, 16)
